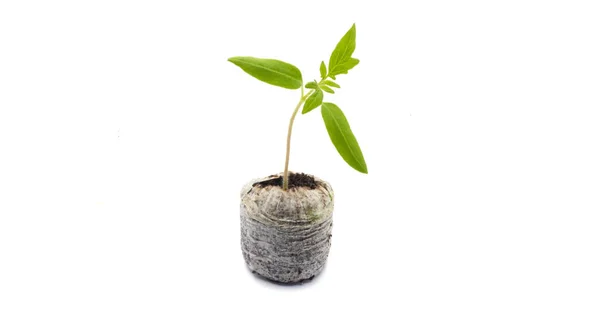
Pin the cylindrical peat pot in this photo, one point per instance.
(286, 235)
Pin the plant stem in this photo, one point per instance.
(289, 139)
(289, 136)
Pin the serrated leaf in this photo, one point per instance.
(326, 88)
(342, 137)
(343, 50)
(338, 61)
(323, 70)
(311, 85)
(313, 101)
(331, 83)
(270, 71)
(343, 67)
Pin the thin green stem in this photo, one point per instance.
(289, 135)
(289, 139)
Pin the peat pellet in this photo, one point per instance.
(286, 235)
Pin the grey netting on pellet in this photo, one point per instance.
(285, 235)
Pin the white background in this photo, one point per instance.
(125, 137)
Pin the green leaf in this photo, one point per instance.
(342, 137)
(323, 70)
(343, 67)
(270, 71)
(313, 101)
(311, 85)
(343, 52)
(331, 83)
(326, 88)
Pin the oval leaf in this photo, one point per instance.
(326, 88)
(311, 85)
(342, 137)
(313, 101)
(323, 70)
(331, 83)
(270, 71)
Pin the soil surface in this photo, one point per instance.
(296, 180)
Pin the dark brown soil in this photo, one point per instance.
(296, 180)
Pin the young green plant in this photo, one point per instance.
(286, 75)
